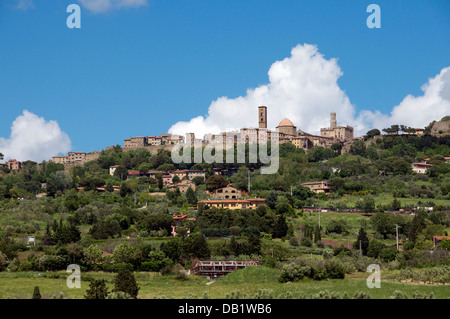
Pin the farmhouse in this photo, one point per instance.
(318, 187)
(251, 203)
(228, 192)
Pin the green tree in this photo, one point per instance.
(281, 228)
(196, 246)
(254, 244)
(302, 193)
(126, 282)
(283, 206)
(175, 179)
(337, 148)
(362, 241)
(367, 204)
(415, 230)
(58, 181)
(216, 181)
(125, 253)
(122, 172)
(271, 200)
(375, 248)
(97, 290)
(191, 197)
(396, 204)
(372, 133)
(198, 180)
(383, 223)
(36, 293)
(358, 148)
(92, 255)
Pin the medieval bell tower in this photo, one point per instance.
(262, 116)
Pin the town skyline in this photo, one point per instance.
(176, 76)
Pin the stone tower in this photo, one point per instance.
(333, 120)
(262, 116)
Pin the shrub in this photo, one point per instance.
(399, 295)
(262, 294)
(293, 241)
(2, 261)
(126, 282)
(293, 272)
(338, 226)
(388, 254)
(320, 244)
(319, 272)
(52, 263)
(341, 251)
(59, 295)
(13, 265)
(418, 295)
(328, 253)
(97, 290)
(327, 295)
(25, 265)
(361, 295)
(334, 269)
(118, 295)
(270, 262)
(307, 242)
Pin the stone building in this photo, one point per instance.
(337, 132)
(14, 165)
(76, 156)
(287, 127)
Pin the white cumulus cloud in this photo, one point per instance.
(100, 6)
(418, 111)
(304, 88)
(34, 138)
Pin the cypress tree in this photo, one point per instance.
(97, 290)
(415, 230)
(126, 282)
(190, 196)
(364, 239)
(36, 293)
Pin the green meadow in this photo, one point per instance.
(247, 282)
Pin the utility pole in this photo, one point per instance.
(291, 190)
(248, 180)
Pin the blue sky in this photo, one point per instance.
(134, 71)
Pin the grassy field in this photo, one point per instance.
(247, 281)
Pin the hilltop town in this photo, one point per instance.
(336, 205)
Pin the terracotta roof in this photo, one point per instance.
(286, 122)
(441, 237)
(226, 201)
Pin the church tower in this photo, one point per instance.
(262, 116)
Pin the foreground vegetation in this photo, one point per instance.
(252, 282)
(303, 253)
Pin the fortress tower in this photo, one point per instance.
(333, 120)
